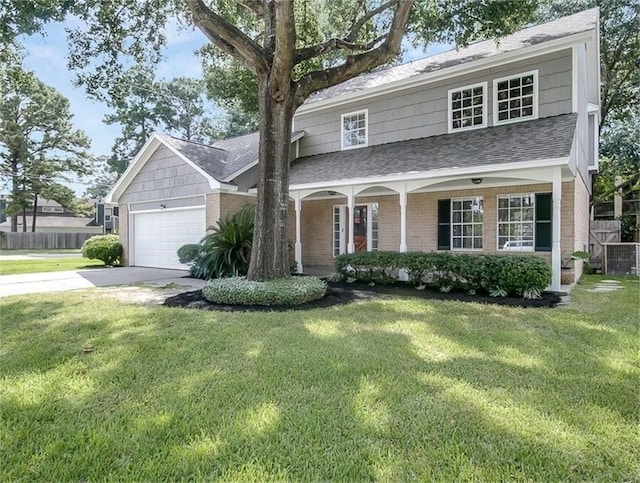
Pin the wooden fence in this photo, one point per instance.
(42, 241)
(602, 232)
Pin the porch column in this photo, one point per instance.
(351, 247)
(403, 219)
(556, 233)
(298, 244)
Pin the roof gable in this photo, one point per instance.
(146, 153)
(380, 80)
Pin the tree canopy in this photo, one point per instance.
(39, 147)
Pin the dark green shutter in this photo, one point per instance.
(544, 208)
(444, 224)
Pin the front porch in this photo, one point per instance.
(403, 215)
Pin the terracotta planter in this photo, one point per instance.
(567, 276)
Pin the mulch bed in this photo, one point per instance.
(343, 293)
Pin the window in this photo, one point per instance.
(354, 130)
(467, 107)
(466, 223)
(515, 98)
(516, 222)
(52, 209)
(524, 222)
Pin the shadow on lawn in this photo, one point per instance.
(322, 395)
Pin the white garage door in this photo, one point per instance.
(158, 235)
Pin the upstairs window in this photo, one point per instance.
(515, 98)
(354, 129)
(468, 107)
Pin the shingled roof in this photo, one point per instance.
(223, 158)
(545, 138)
(563, 27)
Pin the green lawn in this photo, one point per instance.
(38, 252)
(12, 267)
(392, 390)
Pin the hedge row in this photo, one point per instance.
(281, 291)
(499, 275)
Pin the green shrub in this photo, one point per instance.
(103, 247)
(189, 255)
(281, 291)
(226, 251)
(521, 275)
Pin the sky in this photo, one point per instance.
(46, 54)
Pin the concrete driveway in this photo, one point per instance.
(98, 277)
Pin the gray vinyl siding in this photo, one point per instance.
(247, 180)
(422, 111)
(165, 175)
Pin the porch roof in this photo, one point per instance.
(546, 138)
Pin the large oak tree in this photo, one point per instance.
(293, 48)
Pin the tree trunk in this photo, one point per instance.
(35, 208)
(24, 218)
(14, 190)
(269, 254)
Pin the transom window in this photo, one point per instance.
(467, 107)
(516, 222)
(516, 98)
(466, 223)
(354, 129)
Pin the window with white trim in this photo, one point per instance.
(354, 129)
(468, 107)
(516, 222)
(515, 98)
(466, 223)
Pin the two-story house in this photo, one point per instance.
(485, 149)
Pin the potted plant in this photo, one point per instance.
(568, 275)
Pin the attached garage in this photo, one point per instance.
(157, 235)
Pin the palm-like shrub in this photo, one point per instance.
(226, 251)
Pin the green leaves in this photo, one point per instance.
(226, 251)
(508, 274)
(38, 146)
(103, 247)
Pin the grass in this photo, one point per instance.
(14, 267)
(37, 252)
(388, 390)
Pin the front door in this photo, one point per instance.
(365, 228)
(360, 228)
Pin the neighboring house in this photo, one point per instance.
(106, 215)
(53, 218)
(486, 149)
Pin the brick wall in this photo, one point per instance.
(582, 226)
(123, 233)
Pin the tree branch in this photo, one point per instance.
(358, 64)
(357, 25)
(348, 42)
(334, 44)
(256, 6)
(227, 37)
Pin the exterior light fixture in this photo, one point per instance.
(476, 180)
(331, 193)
